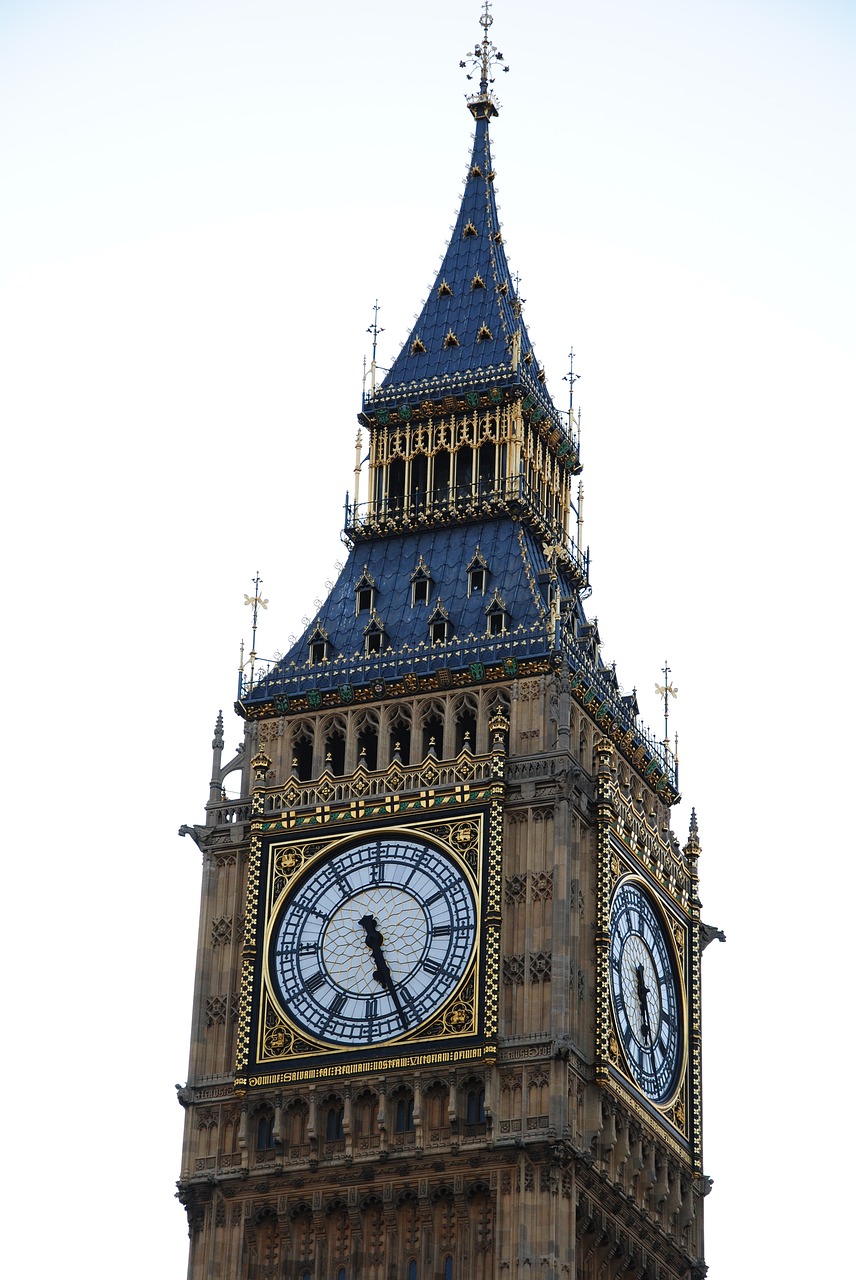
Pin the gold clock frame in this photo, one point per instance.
(465, 823)
(630, 847)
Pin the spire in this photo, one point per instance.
(470, 332)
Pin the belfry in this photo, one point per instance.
(447, 1020)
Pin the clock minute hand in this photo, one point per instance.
(374, 942)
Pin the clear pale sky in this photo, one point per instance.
(201, 202)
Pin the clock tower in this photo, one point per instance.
(447, 1017)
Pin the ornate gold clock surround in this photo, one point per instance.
(629, 847)
(465, 821)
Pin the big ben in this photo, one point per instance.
(447, 1019)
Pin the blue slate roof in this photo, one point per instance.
(516, 569)
(465, 333)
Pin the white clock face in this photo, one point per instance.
(373, 940)
(645, 992)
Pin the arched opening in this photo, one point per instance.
(303, 756)
(294, 1128)
(399, 739)
(432, 733)
(334, 1121)
(465, 729)
(334, 752)
(367, 743)
(403, 1122)
(264, 1129)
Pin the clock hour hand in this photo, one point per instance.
(374, 942)
(643, 1000)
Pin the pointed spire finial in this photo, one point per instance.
(665, 690)
(255, 601)
(374, 329)
(483, 59)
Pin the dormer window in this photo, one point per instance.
(439, 625)
(376, 639)
(477, 575)
(320, 649)
(420, 584)
(365, 593)
(497, 616)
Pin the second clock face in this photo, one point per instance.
(373, 940)
(645, 992)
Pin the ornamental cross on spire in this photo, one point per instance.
(666, 691)
(484, 56)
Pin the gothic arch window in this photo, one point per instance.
(341, 1274)
(448, 1269)
(367, 742)
(334, 750)
(411, 1269)
(365, 1117)
(401, 1102)
(264, 1121)
(399, 737)
(433, 722)
(435, 1111)
(466, 724)
(294, 1127)
(334, 1119)
(474, 1102)
(302, 746)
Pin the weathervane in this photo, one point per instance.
(485, 54)
(374, 329)
(570, 377)
(256, 602)
(665, 690)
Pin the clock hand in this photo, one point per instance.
(374, 942)
(643, 1000)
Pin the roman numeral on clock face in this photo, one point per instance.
(398, 933)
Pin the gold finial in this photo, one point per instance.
(666, 691)
(256, 602)
(483, 58)
(374, 329)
